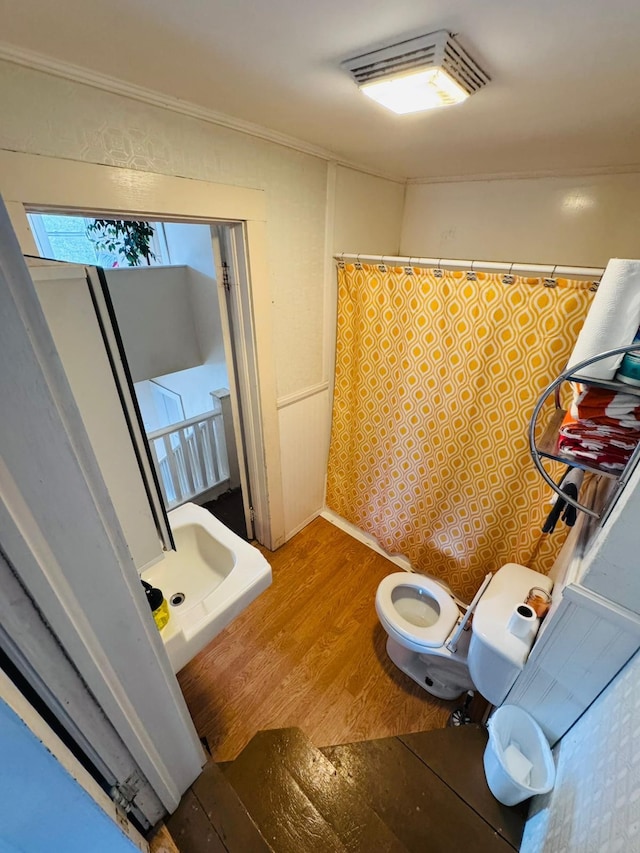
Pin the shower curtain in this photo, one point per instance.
(436, 378)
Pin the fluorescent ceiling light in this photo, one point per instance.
(420, 73)
(416, 91)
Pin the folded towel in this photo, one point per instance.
(613, 318)
(606, 446)
(599, 406)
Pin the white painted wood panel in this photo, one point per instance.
(156, 319)
(584, 646)
(66, 302)
(304, 435)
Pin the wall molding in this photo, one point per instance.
(585, 172)
(66, 70)
(366, 538)
(115, 86)
(297, 396)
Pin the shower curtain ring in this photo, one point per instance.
(551, 281)
(438, 270)
(471, 275)
(357, 264)
(509, 278)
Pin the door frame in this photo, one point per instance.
(32, 648)
(56, 519)
(33, 182)
(49, 740)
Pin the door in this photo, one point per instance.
(39, 665)
(76, 311)
(60, 533)
(227, 277)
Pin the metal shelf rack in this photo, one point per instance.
(545, 447)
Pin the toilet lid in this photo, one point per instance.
(417, 607)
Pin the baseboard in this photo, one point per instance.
(366, 538)
(300, 526)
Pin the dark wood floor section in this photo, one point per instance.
(229, 509)
(421, 792)
(309, 652)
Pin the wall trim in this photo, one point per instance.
(584, 172)
(115, 86)
(366, 538)
(68, 71)
(297, 396)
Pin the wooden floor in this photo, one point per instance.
(309, 652)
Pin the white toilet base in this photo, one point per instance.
(443, 677)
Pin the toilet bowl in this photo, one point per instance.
(419, 616)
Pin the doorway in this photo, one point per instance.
(161, 282)
(57, 509)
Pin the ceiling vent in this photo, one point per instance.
(420, 73)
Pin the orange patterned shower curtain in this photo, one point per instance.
(436, 378)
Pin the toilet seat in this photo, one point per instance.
(429, 636)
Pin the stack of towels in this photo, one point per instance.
(601, 428)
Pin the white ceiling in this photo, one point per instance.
(564, 93)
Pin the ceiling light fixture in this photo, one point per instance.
(418, 74)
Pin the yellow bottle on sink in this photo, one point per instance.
(158, 604)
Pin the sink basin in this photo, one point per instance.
(208, 580)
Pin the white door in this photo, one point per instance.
(61, 535)
(70, 296)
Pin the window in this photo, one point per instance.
(64, 238)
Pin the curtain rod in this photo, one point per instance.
(478, 266)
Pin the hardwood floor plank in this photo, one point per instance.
(423, 812)
(309, 652)
(455, 756)
(226, 812)
(162, 842)
(285, 815)
(356, 825)
(191, 829)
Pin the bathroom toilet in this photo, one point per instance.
(421, 619)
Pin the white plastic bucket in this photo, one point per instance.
(517, 759)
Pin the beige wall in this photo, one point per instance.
(577, 221)
(364, 214)
(43, 114)
(312, 209)
(368, 214)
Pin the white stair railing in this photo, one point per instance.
(190, 457)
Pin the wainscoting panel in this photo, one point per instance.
(305, 423)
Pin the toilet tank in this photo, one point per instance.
(496, 656)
